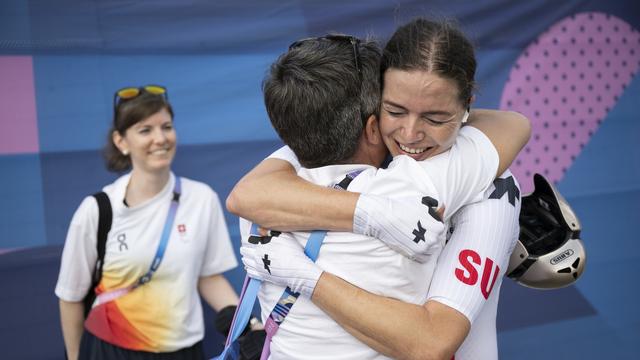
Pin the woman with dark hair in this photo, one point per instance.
(427, 79)
(168, 242)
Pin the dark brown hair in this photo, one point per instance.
(433, 46)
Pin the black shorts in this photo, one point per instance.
(93, 348)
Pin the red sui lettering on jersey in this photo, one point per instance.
(471, 262)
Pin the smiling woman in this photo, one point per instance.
(145, 306)
(135, 114)
(150, 143)
(428, 78)
(421, 113)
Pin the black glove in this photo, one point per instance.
(225, 318)
(251, 344)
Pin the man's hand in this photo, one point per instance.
(281, 261)
(413, 227)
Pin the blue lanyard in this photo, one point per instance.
(166, 232)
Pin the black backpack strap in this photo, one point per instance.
(105, 218)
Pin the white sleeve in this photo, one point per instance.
(399, 207)
(475, 259)
(454, 178)
(219, 255)
(285, 153)
(466, 171)
(245, 229)
(80, 254)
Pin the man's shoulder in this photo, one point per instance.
(333, 174)
(403, 177)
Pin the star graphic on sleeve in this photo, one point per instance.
(419, 233)
(505, 186)
(266, 262)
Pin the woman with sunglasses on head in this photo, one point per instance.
(168, 242)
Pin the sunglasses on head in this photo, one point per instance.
(131, 92)
(354, 41)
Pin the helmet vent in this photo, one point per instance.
(564, 270)
(575, 263)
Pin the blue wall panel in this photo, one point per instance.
(215, 98)
(22, 220)
(14, 21)
(611, 160)
(67, 178)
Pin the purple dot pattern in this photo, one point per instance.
(565, 82)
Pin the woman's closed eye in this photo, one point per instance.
(394, 113)
(436, 122)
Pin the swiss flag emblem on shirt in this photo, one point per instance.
(182, 231)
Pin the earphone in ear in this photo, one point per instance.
(465, 117)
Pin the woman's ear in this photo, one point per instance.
(120, 142)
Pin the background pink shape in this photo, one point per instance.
(566, 82)
(18, 119)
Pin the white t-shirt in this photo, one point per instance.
(472, 266)
(165, 314)
(368, 263)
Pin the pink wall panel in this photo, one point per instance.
(18, 118)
